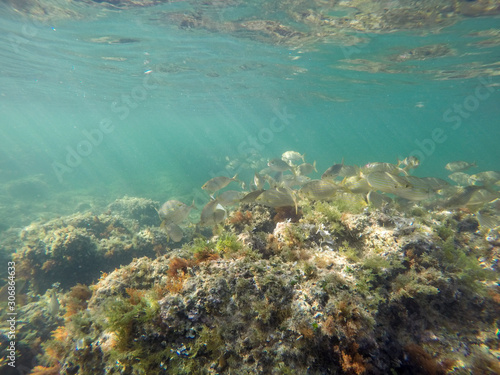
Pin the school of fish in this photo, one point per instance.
(285, 182)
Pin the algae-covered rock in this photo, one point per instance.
(77, 248)
(339, 289)
(140, 209)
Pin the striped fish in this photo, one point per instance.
(319, 189)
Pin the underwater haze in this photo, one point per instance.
(179, 99)
(249, 187)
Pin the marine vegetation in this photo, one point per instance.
(328, 282)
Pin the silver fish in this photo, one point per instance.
(230, 197)
(174, 232)
(387, 182)
(258, 181)
(173, 211)
(292, 180)
(306, 168)
(349, 170)
(250, 197)
(462, 198)
(333, 171)
(383, 167)
(290, 156)
(410, 162)
(319, 189)
(53, 303)
(212, 214)
(278, 165)
(488, 220)
(481, 197)
(218, 183)
(460, 178)
(279, 197)
(459, 166)
(377, 200)
(488, 177)
(356, 184)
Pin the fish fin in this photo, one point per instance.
(158, 212)
(303, 156)
(220, 207)
(193, 205)
(294, 198)
(235, 177)
(314, 166)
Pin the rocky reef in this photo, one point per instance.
(336, 287)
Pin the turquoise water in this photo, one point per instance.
(124, 102)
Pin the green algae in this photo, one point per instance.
(283, 309)
(464, 265)
(227, 244)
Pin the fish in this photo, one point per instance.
(319, 189)
(230, 197)
(414, 194)
(279, 197)
(459, 166)
(173, 211)
(461, 198)
(410, 162)
(435, 183)
(485, 178)
(53, 303)
(481, 197)
(290, 156)
(174, 232)
(218, 183)
(356, 185)
(212, 214)
(488, 220)
(278, 165)
(417, 182)
(258, 181)
(306, 168)
(399, 185)
(333, 171)
(427, 183)
(349, 170)
(377, 200)
(383, 167)
(460, 178)
(292, 180)
(387, 182)
(250, 197)
(274, 183)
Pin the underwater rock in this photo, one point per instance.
(76, 248)
(468, 225)
(140, 209)
(339, 291)
(29, 188)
